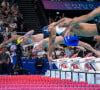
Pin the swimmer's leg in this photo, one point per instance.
(89, 47)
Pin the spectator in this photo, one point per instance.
(61, 55)
(39, 64)
(10, 17)
(13, 53)
(5, 20)
(5, 31)
(34, 54)
(45, 56)
(13, 24)
(69, 51)
(19, 54)
(14, 9)
(54, 56)
(26, 53)
(1, 19)
(41, 53)
(6, 12)
(4, 62)
(12, 2)
(58, 51)
(1, 38)
(13, 32)
(7, 51)
(5, 3)
(20, 22)
(30, 52)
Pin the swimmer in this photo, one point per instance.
(71, 41)
(26, 39)
(48, 30)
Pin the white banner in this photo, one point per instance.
(63, 75)
(53, 74)
(75, 76)
(68, 75)
(57, 74)
(82, 77)
(97, 78)
(90, 78)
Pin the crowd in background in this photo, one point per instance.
(11, 20)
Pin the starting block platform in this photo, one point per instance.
(77, 69)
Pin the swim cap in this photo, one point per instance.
(20, 40)
(59, 30)
(45, 30)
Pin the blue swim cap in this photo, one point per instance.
(45, 30)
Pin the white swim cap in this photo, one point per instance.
(59, 30)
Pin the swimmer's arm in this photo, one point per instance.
(10, 40)
(29, 33)
(54, 24)
(29, 44)
(83, 18)
(87, 17)
(59, 21)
